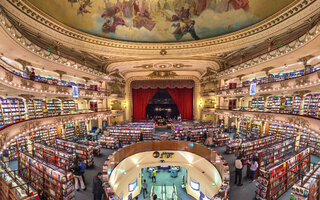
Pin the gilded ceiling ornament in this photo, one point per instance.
(265, 87)
(30, 125)
(3, 138)
(162, 74)
(61, 89)
(298, 121)
(284, 84)
(45, 87)
(302, 80)
(163, 52)
(26, 83)
(8, 76)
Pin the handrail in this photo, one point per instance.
(249, 109)
(61, 113)
(99, 90)
(224, 88)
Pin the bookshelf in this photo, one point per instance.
(13, 110)
(311, 141)
(108, 142)
(280, 176)
(221, 140)
(69, 132)
(311, 105)
(308, 188)
(257, 104)
(296, 105)
(249, 147)
(68, 106)
(273, 104)
(85, 152)
(59, 158)
(126, 135)
(13, 187)
(53, 107)
(286, 105)
(20, 144)
(81, 129)
(275, 152)
(56, 182)
(233, 146)
(282, 131)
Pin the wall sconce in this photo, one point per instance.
(125, 104)
(200, 103)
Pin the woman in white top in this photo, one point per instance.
(253, 168)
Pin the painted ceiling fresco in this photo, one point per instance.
(159, 20)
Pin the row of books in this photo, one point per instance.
(85, 152)
(308, 188)
(282, 174)
(43, 176)
(13, 110)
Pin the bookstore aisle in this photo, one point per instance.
(247, 190)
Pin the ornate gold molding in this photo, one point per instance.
(162, 74)
(281, 16)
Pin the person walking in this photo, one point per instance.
(144, 188)
(239, 166)
(82, 170)
(32, 74)
(5, 156)
(155, 197)
(97, 188)
(154, 174)
(253, 168)
(141, 137)
(77, 176)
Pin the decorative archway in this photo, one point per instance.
(196, 92)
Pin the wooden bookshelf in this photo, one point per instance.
(82, 151)
(54, 181)
(280, 176)
(308, 188)
(59, 158)
(13, 187)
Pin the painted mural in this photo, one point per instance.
(159, 20)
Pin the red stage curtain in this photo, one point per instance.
(141, 98)
(183, 97)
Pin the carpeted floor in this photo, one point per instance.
(245, 192)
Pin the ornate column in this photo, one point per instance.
(302, 94)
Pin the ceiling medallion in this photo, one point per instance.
(162, 66)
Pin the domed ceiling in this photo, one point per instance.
(159, 20)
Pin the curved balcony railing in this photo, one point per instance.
(304, 122)
(204, 152)
(15, 81)
(294, 83)
(20, 128)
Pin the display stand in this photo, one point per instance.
(59, 158)
(12, 187)
(280, 176)
(248, 148)
(308, 188)
(54, 181)
(108, 142)
(82, 151)
(233, 146)
(271, 154)
(309, 140)
(221, 140)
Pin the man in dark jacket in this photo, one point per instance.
(97, 188)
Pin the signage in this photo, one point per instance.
(75, 91)
(253, 87)
(156, 154)
(194, 185)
